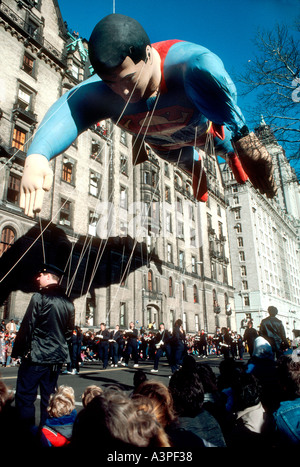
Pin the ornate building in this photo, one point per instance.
(264, 243)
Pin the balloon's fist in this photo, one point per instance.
(37, 178)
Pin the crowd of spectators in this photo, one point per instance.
(253, 402)
(196, 409)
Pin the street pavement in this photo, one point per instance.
(92, 373)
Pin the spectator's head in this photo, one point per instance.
(178, 322)
(246, 392)
(272, 310)
(89, 393)
(161, 400)
(119, 421)
(262, 348)
(207, 377)
(138, 378)
(6, 396)
(288, 370)
(187, 392)
(62, 402)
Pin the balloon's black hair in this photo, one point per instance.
(113, 39)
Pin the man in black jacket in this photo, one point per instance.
(271, 328)
(42, 343)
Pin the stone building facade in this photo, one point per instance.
(264, 243)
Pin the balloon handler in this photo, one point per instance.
(173, 95)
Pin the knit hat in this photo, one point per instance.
(262, 348)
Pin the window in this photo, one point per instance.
(150, 281)
(154, 179)
(123, 137)
(167, 194)
(183, 291)
(170, 287)
(245, 285)
(191, 212)
(193, 237)
(181, 259)
(75, 71)
(242, 255)
(124, 164)
(194, 265)
(13, 190)
(172, 315)
(65, 212)
(197, 327)
(246, 300)
(123, 197)
(180, 229)
(243, 271)
(123, 228)
(93, 221)
(238, 228)
(169, 253)
(169, 222)
(24, 98)
(237, 214)
(184, 321)
(96, 150)
(19, 138)
(240, 241)
(28, 64)
(7, 239)
(122, 319)
(179, 205)
(32, 28)
(167, 174)
(68, 170)
(95, 183)
(146, 178)
(195, 291)
(220, 229)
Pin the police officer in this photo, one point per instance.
(42, 343)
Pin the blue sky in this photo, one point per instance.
(227, 27)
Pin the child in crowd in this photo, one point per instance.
(89, 393)
(57, 431)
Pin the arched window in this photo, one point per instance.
(7, 239)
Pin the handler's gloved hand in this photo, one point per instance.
(257, 163)
(37, 178)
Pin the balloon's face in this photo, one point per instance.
(130, 81)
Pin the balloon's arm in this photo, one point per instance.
(212, 90)
(73, 113)
(214, 93)
(76, 110)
